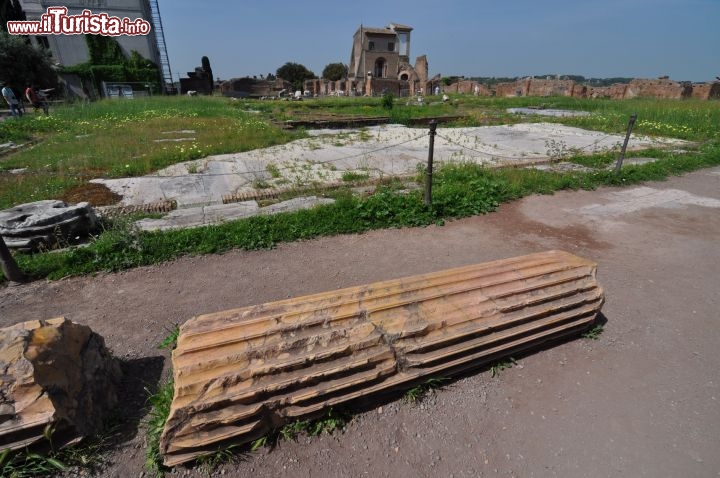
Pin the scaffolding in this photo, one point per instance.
(166, 72)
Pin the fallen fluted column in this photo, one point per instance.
(240, 373)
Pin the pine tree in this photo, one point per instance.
(205, 62)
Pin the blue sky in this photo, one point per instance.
(598, 38)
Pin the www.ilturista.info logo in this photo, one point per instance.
(57, 22)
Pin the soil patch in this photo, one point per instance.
(95, 194)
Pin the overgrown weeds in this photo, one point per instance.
(45, 459)
(332, 421)
(420, 391)
(160, 403)
(594, 333)
(501, 365)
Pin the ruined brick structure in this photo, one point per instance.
(468, 87)
(638, 88)
(536, 87)
(707, 91)
(198, 81)
(379, 63)
(254, 88)
(660, 88)
(616, 91)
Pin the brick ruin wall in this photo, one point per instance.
(660, 88)
(616, 91)
(707, 91)
(550, 88)
(421, 68)
(638, 88)
(468, 87)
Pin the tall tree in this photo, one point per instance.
(295, 73)
(335, 71)
(21, 63)
(205, 63)
(10, 10)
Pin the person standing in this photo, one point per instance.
(11, 100)
(37, 100)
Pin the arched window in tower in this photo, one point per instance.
(379, 68)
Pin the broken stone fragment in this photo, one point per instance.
(56, 375)
(43, 224)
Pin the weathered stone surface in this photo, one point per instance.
(54, 373)
(240, 373)
(43, 223)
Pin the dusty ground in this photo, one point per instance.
(642, 401)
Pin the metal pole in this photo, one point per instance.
(631, 123)
(428, 174)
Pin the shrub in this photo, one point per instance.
(387, 101)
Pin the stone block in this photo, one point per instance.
(55, 375)
(43, 224)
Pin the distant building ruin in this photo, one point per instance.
(199, 81)
(379, 63)
(638, 88)
(255, 88)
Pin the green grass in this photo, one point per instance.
(27, 464)
(84, 457)
(594, 333)
(160, 403)
(332, 421)
(352, 176)
(344, 106)
(501, 365)
(418, 392)
(170, 342)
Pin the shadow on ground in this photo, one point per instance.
(141, 378)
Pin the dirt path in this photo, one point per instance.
(640, 401)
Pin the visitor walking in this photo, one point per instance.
(11, 100)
